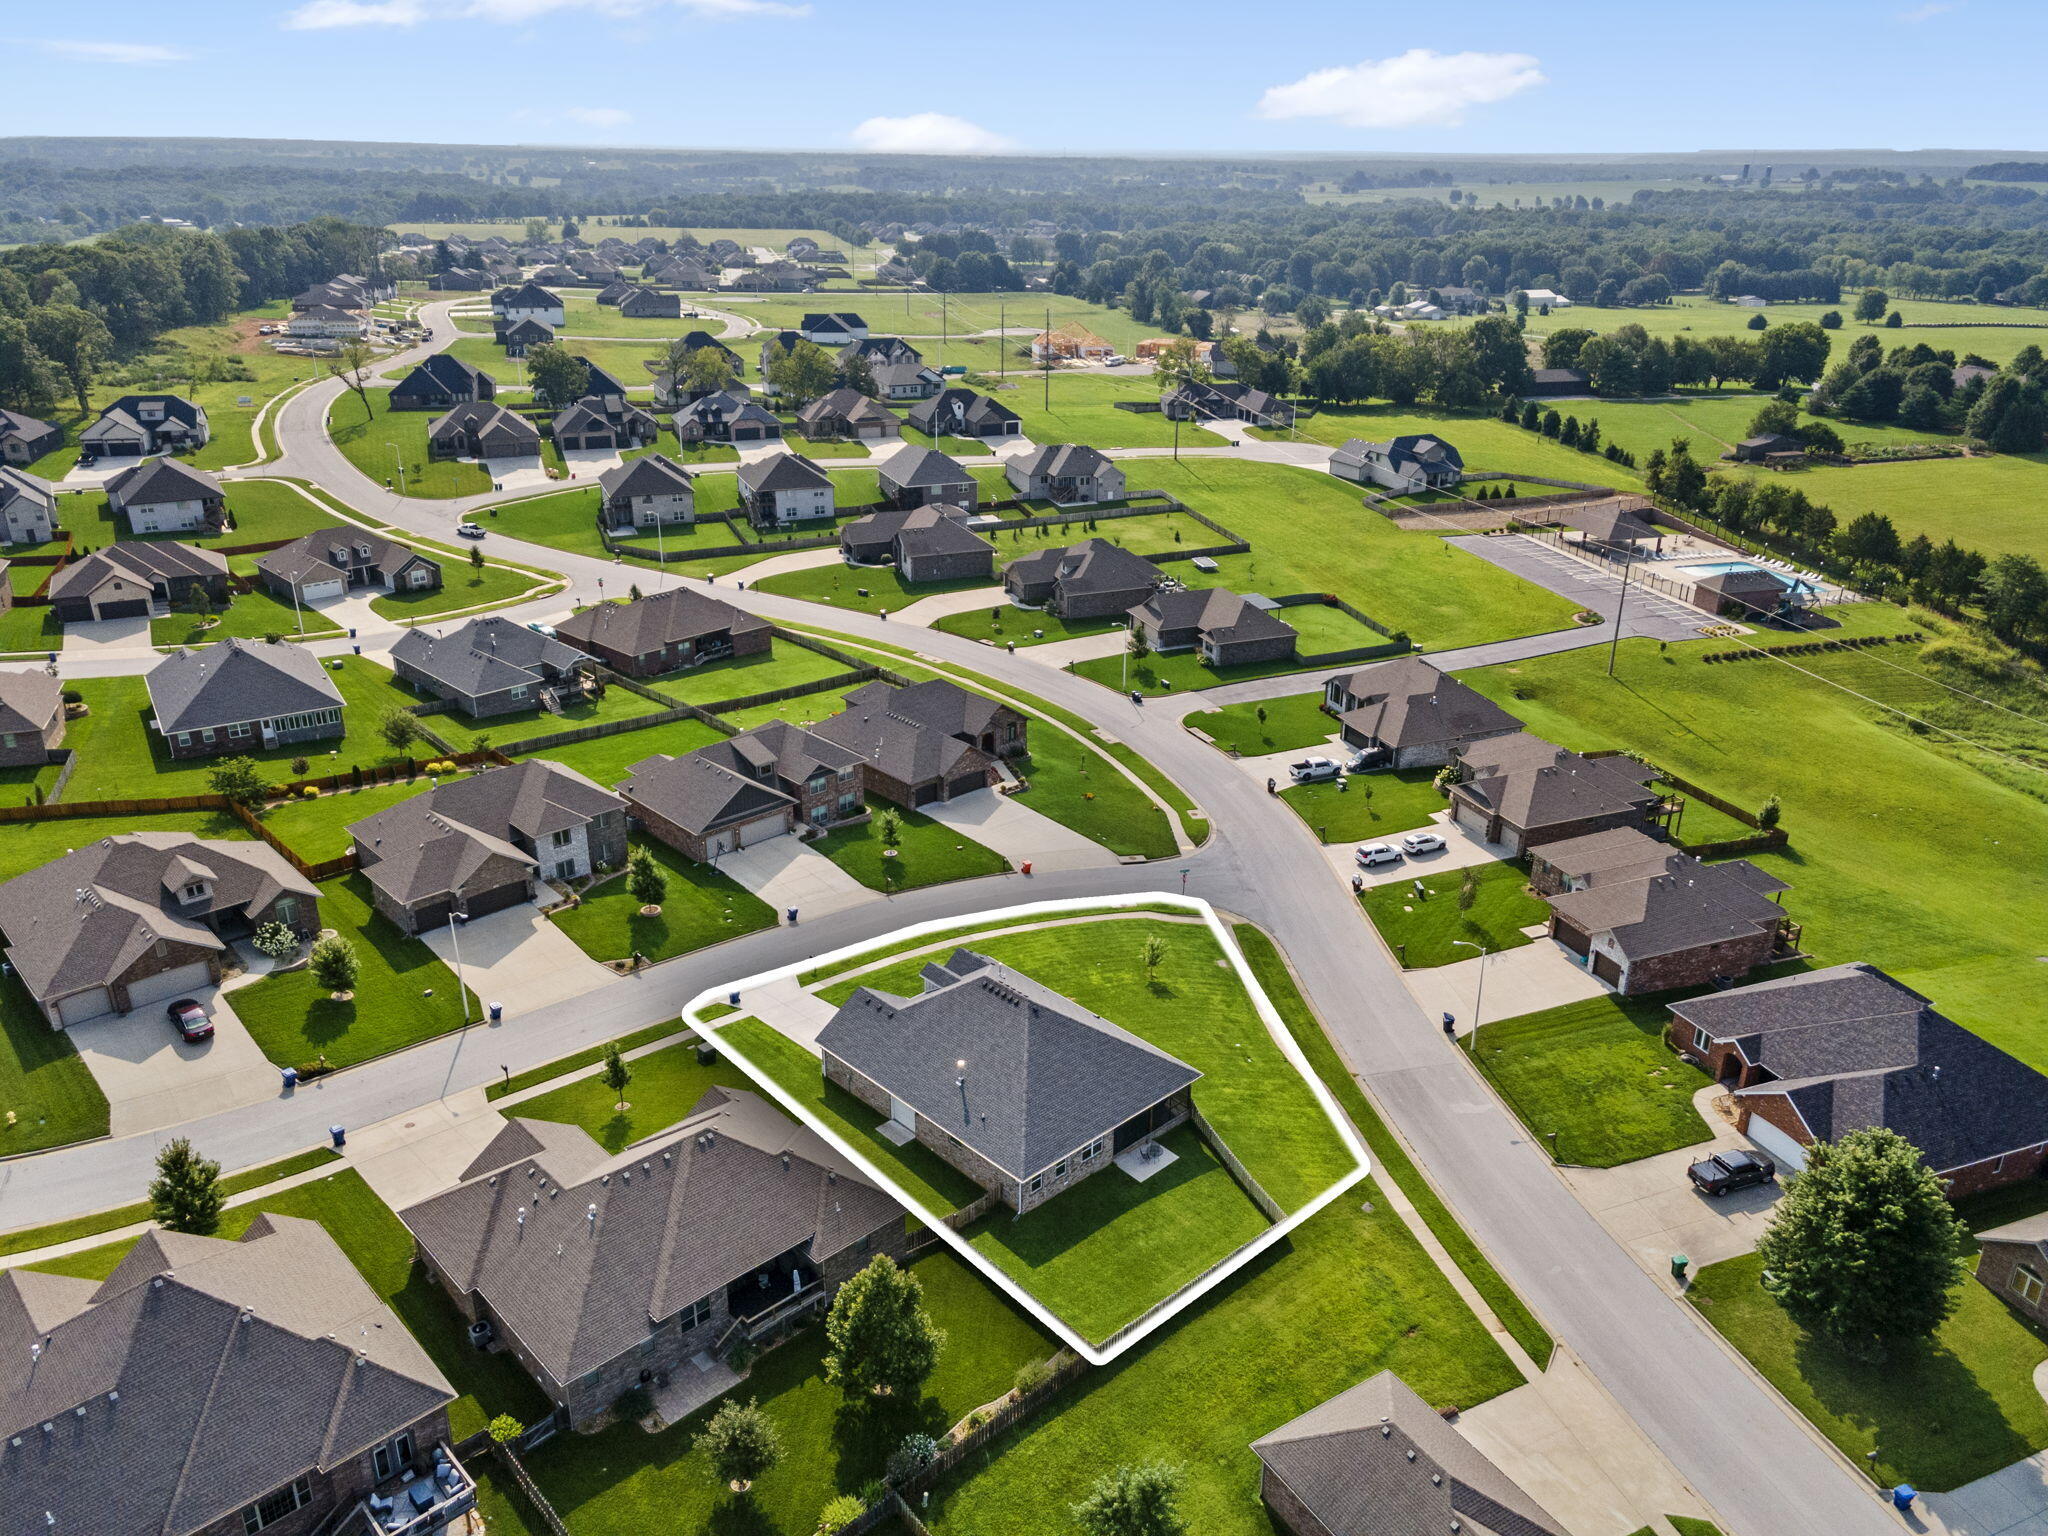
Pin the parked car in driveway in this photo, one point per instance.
(1378, 853)
(1730, 1170)
(1423, 842)
(1313, 770)
(190, 1020)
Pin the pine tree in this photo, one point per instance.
(185, 1195)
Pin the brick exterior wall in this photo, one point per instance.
(225, 743)
(1695, 967)
(963, 565)
(1242, 653)
(1094, 605)
(30, 750)
(2014, 1167)
(344, 1484)
(1997, 1265)
(1292, 1513)
(1497, 829)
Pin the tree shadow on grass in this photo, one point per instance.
(864, 1434)
(737, 1514)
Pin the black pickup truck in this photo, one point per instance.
(1718, 1174)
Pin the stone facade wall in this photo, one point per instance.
(344, 1485)
(1998, 1264)
(1242, 653)
(25, 749)
(961, 565)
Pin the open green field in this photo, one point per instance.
(624, 1482)
(1994, 505)
(1937, 1415)
(1868, 799)
(377, 1243)
(1292, 721)
(1486, 442)
(1350, 1293)
(927, 852)
(1430, 930)
(1370, 806)
(120, 757)
(1714, 422)
(702, 907)
(403, 995)
(666, 1086)
(1598, 1074)
(1083, 410)
(920, 315)
(387, 441)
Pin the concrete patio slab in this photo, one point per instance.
(690, 1386)
(1518, 981)
(1140, 1167)
(786, 872)
(519, 959)
(1007, 824)
(153, 1079)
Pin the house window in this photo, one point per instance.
(392, 1457)
(563, 838)
(243, 728)
(1092, 1151)
(195, 890)
(274, 1507)
(696, 1315)
(2026, 1284)
(287, 911)
(519, 691)
(1701, 1040)
(1059, 1169)
(1037, 1183)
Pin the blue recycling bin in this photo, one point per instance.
(497, 1013)
(291, 1078)
(338, 1136)
(1904, 1495)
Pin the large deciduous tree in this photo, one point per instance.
(880, 1338)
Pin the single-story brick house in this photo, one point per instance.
(1229, 630)
(1065, 473)
(1409, 715)
(1023, 1090)
(480, 431)
(31, 718)
(490, 666)
(724, 1228)
(1814, 1056)
(165, 496)
(329, 563)
(1093, 579)
(652, 491)
(927, 543)
(2012, 1264)
(1523, 791)
(763, 783)
(137, 577)
(930, 741)
(483, 843)
(959, 412)
(237, 695)
(847, 413)
(666, 630)
(142, 917)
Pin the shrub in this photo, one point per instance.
(632, 1405)
(917, 1452)
(310, 792)
(505, 1429)
(839, 1514)
(275, 940)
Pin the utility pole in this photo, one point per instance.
(1620, 603)
(1002, 335)
(398, 463)
(1176, 439)
(1046, 342)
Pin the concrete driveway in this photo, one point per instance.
(1654, 1212)
(929, 610)
(1461, 850)
(153, 1079)
(589, 463)
(1061, 653)
(1007, 824)
(1527, 979)
(787, 872)
(525, 473)
(107, 637)
(518, 958)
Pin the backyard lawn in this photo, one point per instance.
(387, 441)
(1293, 721)
(864, 588)
(1938, 1414)
(666, 1086)
(469, 732)
(702, 907)
(382, 1250)
(1369, 806)
(317, 829)
(927, 852)
(1323, 630)
(608, 759)
(1599, 1074)
(26, 844)
(404, 994)
(624, 1482)
(1083, 410)
(47, 1091)
(784, 664)
(1428, 931)
(262, 511)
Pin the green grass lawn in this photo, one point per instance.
(1350, 1293)
(608, 759)
(1371, 806)
(567, 520)
(318, 829)
(927, 852)
(1714, 422)
(263, 511)
(1002, 624)
(1865, 796)
(367, 443)
(1598, 1073)
(468, 732)
(1486, 442)
(25, 631)
(382, 1250)
(1081, 1253)
(251, 616)
(1076, 788)
(666, 1086)
(782, 665)
(1991, 505)
(624, 1482)
(1427, 932)
(590, 1056)
(702, 907)
(1295, 720)
(1938, 1414)
(1083, 410)
(294, 1020)
(865, 588)
(28, 1239)
(958, 447)
(463, 586)
(44, 1085)
(1195, 1009)
(24, 845)
(1185, 671)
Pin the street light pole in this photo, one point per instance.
(1620, 603)
(1479, 995)
(398, 463)
(461, 987)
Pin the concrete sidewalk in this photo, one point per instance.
(2010, 1502)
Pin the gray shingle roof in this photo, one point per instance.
(652, 474)
(29, 701)
(237, 680)
(201, 1375)
(145, 562)
(648, 623)
(316, 555)
(486, 655)
(1532, 783)
(782, 472)
(1061, 460)
(915, 734)
(79, 921)
(733, 780)
(1378, 1461)
(19, 484)
(1093, 565)
(1044, 1075)
(159, 480)
(677, 1216)
(1214, 613)
(1408, 703)
(1684, 906)
(913, 467)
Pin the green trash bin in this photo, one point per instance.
(1678, 1263)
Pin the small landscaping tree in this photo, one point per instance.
(1133, 1501)
(1865, 1249)
(1154, 955)
(617, 1073)
(505, 1429)
(476, 558)
(881, 1340)
(1137, 645)
(275, 940)
(557, 376)
(1768, 814)
(741, 1444)
(334, 963)
(645, 880)
(300, 767)
(400, 728)
(185, 1195)
(889, 826)
(238, 780)
(1468, 890)
(918, 1451)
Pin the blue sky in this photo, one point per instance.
(1046, 75)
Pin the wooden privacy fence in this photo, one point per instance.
(1254, 1190)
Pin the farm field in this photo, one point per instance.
(599, 227)
(1995, 505)
(1715, 422)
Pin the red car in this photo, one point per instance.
(190, 1020)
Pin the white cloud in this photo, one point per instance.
(598, 117)
(928, 133)
(325, 15)
(115, 53)
(1928, 12)
(1417, 89)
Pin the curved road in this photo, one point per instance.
(1761, 1469)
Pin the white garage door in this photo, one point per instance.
(1470, 817)
(760, 829)
(1782, 1149)
(321, 591)
(154, 989)
(81, 1006)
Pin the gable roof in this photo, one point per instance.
(236, 680)
(735, 779)
(445, 372)
(160, 480)
(487, 423)
(1062, 460)
(29, 701)
(1377, 1460)
(201, 1375)
(317, 555)
(1044, 1075)
(782, 472)
(525, 296)
(648, 623)
(653, 474)
(1685, 905)
(1408, 702)
(1093, 565)
(1213, 612)
(19, 484)
(580, 1255)
(143, 561)
(914, 734)
(1531, 783)
(485, 655)
(915, 467)
(847, 405)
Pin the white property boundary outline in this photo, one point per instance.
(1161, 1312)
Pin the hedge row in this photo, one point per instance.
(1810, 648)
